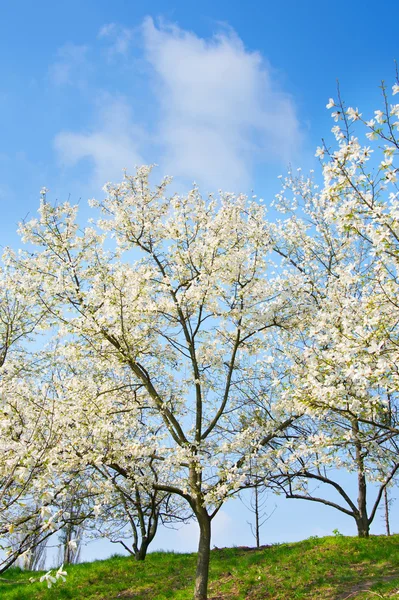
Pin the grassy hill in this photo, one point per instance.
(331, 568)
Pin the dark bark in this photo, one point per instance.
(146, 540)
(386, 502)
(204, 549)
(257, 526)
(362, 520)
(363, 527)
(142, 551)
(361, 517)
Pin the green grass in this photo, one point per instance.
(331, 568)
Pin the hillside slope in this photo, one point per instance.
(332, 568)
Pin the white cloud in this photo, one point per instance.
(216, 111)
(222, 111)
(71, 65)
(112, 146)
(119, 37)
(107, 30)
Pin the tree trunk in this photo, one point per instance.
(386, 502)
(362, 521)
(257, 527)
(142, 551)
(204, 549)
(363, 527)
(140, 556)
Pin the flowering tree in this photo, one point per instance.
(19, 316)
(356, 335)
(207, 330)
(75, 512)
(180, 310)
(343, 239)
(105, 498)
(25, 433)
(33, 492)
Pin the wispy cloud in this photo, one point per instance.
(222, 110)
(70, 66)
(119, 39)
(219, 110)
(112, 144)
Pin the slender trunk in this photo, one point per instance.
(386, 502)
(141, 552)
(362, 521)
(363, 526)
(148, 528)
(204, 549)
(257, 517)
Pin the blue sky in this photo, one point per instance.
(219, 92)
(212, 91)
